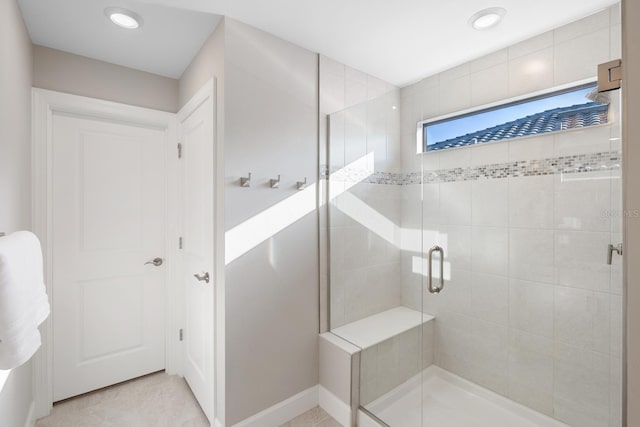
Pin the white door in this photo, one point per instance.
(197, 140)
(108, 206)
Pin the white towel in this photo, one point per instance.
(23, 298)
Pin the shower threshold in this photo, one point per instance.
(451, 401)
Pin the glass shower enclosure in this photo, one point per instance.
(478, 274)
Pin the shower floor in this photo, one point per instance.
(450, 401)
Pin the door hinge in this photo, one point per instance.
(179, 242)
(181, 334)
(609, 75)
(179, 150)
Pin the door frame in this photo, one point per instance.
(45, 104)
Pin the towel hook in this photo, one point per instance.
(275, 183)
(301, 185)
(245, 181)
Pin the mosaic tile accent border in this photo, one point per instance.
(362, 176)
(580, 163)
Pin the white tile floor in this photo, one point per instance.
(155, 400)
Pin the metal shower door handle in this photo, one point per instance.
(202, 277)
(156, 261)
(436, 290)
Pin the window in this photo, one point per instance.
(561, 110)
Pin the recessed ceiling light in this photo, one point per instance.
(487, 18)
(123, 18)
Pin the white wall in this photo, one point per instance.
(530, 308)
(631, 126)
(15, 191)
(271, 110)
(78, 75)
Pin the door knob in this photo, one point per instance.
(156, 261)
(202, 277)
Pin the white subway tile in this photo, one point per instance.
(430, 206)
(456, 243)
(455, 158)
(581, 380)
(457, 296)
(531, 307)
(490, 298)
(531, 254)
(429, 102)
(583, 201)
(531, 45)
(355, 133)
(580, 260)
(531, 148)
(489, 153)
(531, 367)
(531, 72)
(454, 73)
(582, 27)
(531, 202)
(490, 85)
(355, 87)
(617, 322)
(578, 58)
(575, 413)
(616, 397)
(490, 202)
(455, 203)
(490, 60)
(594, 139)
(616, 42)
(490, 250)
(455, 95)
(582, 319)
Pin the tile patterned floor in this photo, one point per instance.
(156, 400)
(316, 417)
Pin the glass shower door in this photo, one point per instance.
(528, 328)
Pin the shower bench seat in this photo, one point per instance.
(380, 327)
(340, 358)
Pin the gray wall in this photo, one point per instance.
(631, 156)
(15, 191)
(66, 72)
(271, 290)
(209, 62)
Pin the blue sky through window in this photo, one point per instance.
(460, 126)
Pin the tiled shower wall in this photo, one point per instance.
(530, 309)
(360, 115)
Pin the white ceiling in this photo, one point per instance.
(164, 45)
(399, 41)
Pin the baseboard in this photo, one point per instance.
(284, 411)
(335, 407)
(31, 415)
